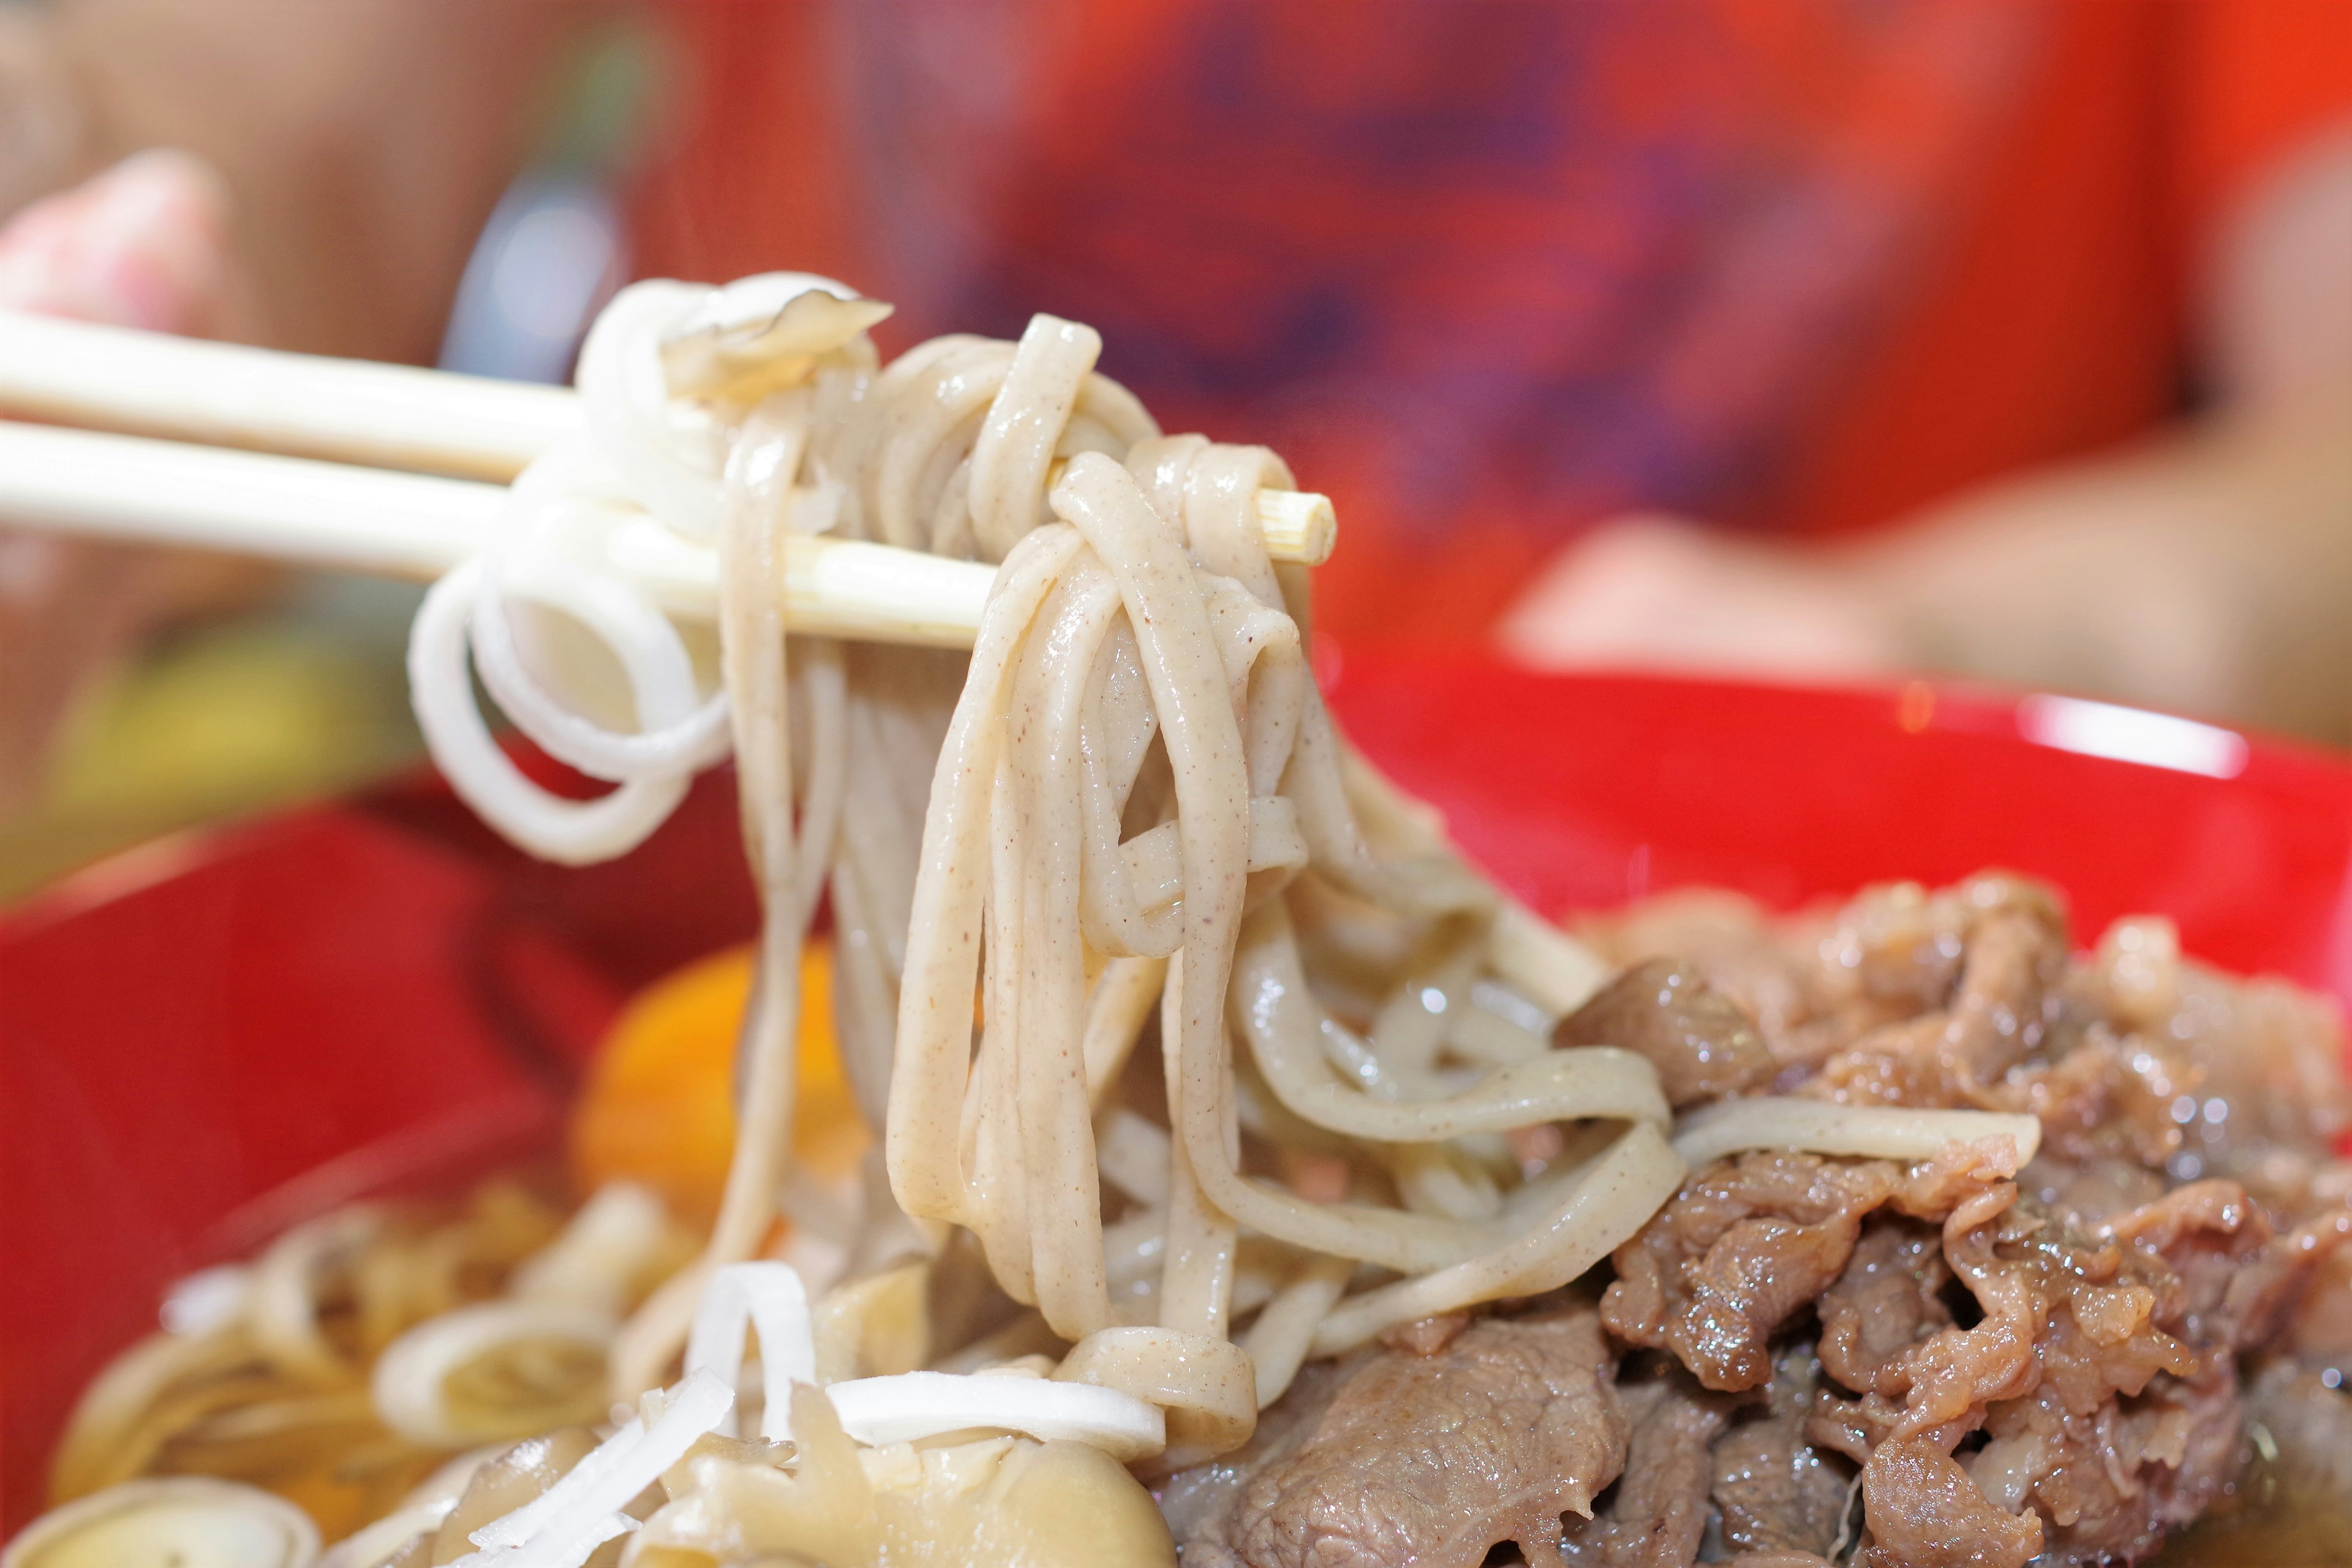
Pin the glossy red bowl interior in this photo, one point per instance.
(209, 1038)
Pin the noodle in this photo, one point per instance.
(1819, 1127)
(1125, 819)
(1135, 794)
(1123, 824)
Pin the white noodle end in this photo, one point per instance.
(912, 1405)
(1820, 1127)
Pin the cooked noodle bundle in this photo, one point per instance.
(1125, 823)
(1127, 813)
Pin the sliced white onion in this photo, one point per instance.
(283, 1309)
(580, 1512)
(569, 832)
(409, 1384)
(607, 1245)
(640, 637)
(665, 454)
(770, 1298)
(1824, 1127)
(910, 1405)
(183, 1521)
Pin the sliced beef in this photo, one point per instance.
(2273, 1059)
(2101, 1373)
(1750, 1241)
(1743, 1245)
(1773, 1490)
(1197, 1503)
(1657, 1515)
(1735, 945)
(2110, 1484)
(2054, 1373)
(1703, 1045)
(2322, 1325)
(1924, 1512)
(2107, 1098)
(2008, 945)
(1889, 1298)
(1421, 1459)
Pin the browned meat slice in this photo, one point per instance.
(1924, 1512)
(2011, 954)
(1745, 1243)
(1889, 1298)
(2109, 1099)
(1750, 1241)
(1197, 1503)
(1701, 1043)
(2322, 1325)
(1422, 1459)
(1733, 944)
(2101, 1370)
(1773, 1490)
(1658, 1515)
(2236, 1282)
(2055, 1373)
(2087, 1195)
(2109, 1484)
(2273, 1059)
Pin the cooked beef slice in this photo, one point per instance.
(1745, 1243)
(1750, 1241)
(1657, 1514)
(1773, 1490)
(1888, 1299)
(2101, 1370)
(1197, 1502)
(2112, 1482)
(1998, 948)
(1924, 1512)
(1737, 947)
(1703, 1045)
(1421, 1459)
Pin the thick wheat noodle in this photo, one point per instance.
(766, 457)
(1025, 866)
(1129, 793)
(1279, 1342)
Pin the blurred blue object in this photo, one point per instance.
(550, 257)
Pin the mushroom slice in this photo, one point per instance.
(181, 1521)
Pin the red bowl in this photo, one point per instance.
(208, 1038)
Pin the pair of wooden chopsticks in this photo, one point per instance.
(400, 472)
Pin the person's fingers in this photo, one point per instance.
(1655, 592)
(142, 244)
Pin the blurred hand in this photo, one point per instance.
(1655, 592)
(142, 245)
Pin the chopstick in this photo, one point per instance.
(226, 394)
(399, 516)
(419, 526)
